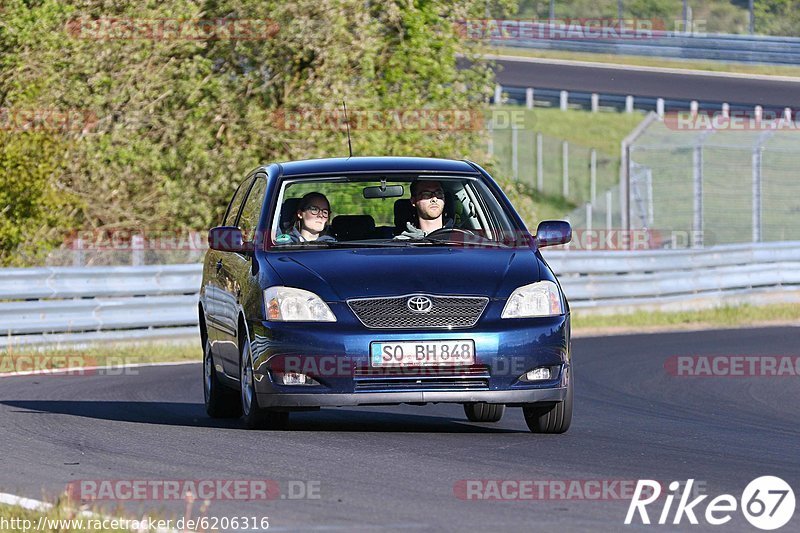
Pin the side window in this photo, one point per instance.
(236, 202)
(252, 208)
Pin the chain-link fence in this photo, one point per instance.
(704, 188)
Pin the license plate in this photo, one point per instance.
(422, 353)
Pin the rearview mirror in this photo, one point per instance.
(383, 191)
(228, 239)
(553, 232)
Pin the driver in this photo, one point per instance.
(427, 197)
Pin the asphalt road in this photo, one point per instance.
(395, 469)
(624, 81)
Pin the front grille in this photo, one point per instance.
(393, 312)
(474, 377)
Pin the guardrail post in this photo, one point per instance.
(529, 97)
(595, 102)
(660, 108)
(77, 252)
(137, 250)
(564, 100)
(588, 224)
(609, 213)
(694, 107)
(759, 112)
(787, 114)
(565, 169)
(726, 110)
(498, 94)
(515, 153)
(539, 163)
(629, 104)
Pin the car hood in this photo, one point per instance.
(337, 275)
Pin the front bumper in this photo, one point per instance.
(508, 397)
(337, 357)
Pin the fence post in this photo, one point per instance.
(565, 169)
(498, 94)
(629, 104)
(697, 224)
(649, 184)
(515, 153)
(564, 99)
(660, 108)
(593, 175)
(609, 213)
(757, 154)
(529, 98)
(539, 163)
(490, 141)
(588, 225)
(595, 102)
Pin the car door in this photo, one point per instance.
(215, 296)
(236, 271)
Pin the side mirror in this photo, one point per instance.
(553, 232)
(228, 239)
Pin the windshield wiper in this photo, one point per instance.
(450, 242)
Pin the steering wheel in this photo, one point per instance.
(452, 230)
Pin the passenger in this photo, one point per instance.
(427, 197)
(313, 213)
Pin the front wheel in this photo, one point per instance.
(254, 416)
(484, 412)
(550, 418)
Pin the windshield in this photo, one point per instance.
(381, 211)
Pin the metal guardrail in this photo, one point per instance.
(709, 46)
(81, 305)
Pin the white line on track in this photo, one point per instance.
(80, 369)
(662, 70)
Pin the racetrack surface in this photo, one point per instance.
(395, 468)
(668, 85)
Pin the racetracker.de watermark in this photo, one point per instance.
(591, 29)
(172, 29)
(126, 240)
(12, 364)
(736, 120)
(315, 119)
(549, 489)
(47, 119)
(732, 366)
(183, 489)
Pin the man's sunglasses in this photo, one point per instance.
(427, 195)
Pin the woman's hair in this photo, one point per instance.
(305, 202)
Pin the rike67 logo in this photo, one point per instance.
(767, 503)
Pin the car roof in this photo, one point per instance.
(346, 165)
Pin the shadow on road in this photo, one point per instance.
(193, 415)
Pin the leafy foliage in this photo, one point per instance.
(180, 121)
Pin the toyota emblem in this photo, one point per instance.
(419, 304)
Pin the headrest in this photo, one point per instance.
(403, 212)
(353, 227)
(289, 213)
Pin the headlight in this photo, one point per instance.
(537, 299)
(287, 304)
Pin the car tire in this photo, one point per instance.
(220, 401)
(550, 418)
(254, 416)
(484, 412)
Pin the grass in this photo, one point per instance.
(721, 317)
(643, 61)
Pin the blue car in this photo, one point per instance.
(382, 281)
